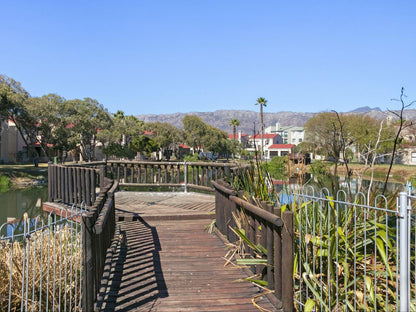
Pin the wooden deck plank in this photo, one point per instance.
(172, 265)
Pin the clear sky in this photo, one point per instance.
(155, 57)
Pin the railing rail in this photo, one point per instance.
(197, 175)
(264, 225)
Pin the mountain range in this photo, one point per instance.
(250, 120)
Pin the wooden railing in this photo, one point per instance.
(197, 175)
(264, 225)
(88, 187)
(98, 233)
(71, 184)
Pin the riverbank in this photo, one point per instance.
(398, 174)
(23, 175)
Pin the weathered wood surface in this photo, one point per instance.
(156, 206)
(164, 264)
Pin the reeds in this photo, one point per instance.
(42, 272)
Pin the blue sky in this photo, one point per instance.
(155, 57)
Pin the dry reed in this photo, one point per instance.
(42, 273)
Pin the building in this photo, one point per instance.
(290, 134)
(12, 146)
(269, 139)
(280, 150)
(242, 138)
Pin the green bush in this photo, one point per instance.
(4, 181)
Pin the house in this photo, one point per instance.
(242, 138)
(280, 149)
(269, 139)
(289, 134)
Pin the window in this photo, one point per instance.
(413, 158)
(300, 140)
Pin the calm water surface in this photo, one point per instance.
(13, 203)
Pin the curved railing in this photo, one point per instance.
(196, 175)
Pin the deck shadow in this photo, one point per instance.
(136, 278)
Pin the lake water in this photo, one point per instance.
(13, 203)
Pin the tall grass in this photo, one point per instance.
(43, 273)
(346, 254)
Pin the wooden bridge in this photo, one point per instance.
(153, 251)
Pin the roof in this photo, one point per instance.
(265, 136)
(281, 146)
(230, 136)
(183, 146)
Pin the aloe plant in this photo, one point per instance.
(346, 255)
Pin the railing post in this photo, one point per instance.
(102, 177)
(51, 182)
(185, 176)
(404, 254)
(227, 171)
(89, 263)
(277, 255)
(287, 261)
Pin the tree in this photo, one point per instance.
(327, 132)
(194, 130)
(87, 118)
(234, 123)
(166, 136)
(13, 101)
(261, 102)
(200, 135)
(402, 124)
(276, 167)
(122, 132)
(54, 129)
(145, 145)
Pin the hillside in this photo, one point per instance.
(221, 118)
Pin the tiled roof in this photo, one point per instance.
(265, 136)
(281, 146)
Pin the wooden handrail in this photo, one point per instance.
(265, 226)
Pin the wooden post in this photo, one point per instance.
(178, 178)
(93, 184)
(131, 173)
(78, 183)
(287, 261)
(88, 275)
(159, 174)
(102, 178)
(88, 187)
(269, 247)
(50, 182)
(277, 255)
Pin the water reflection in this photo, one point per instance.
(13, 203)
(344, 184)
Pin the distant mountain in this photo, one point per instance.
(220, 119)
(250, 120)
(365, 109)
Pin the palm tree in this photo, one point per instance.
(234, 123)
(262, 102)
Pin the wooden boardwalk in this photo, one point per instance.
(165, 259)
